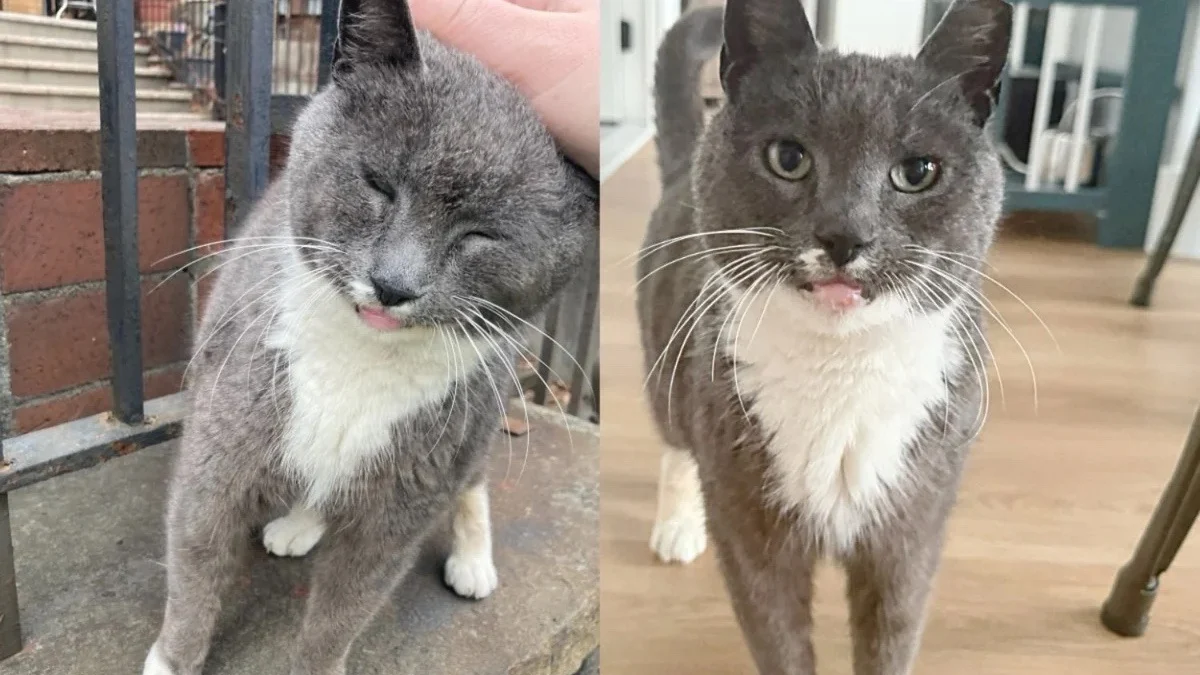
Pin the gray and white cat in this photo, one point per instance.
(358, 341)
(811, 314)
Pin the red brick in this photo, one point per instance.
(209, 208)
(62, 342)
(95, 399)
(66, 149)
(280, 146)
(30, 150)
(52, 232)
(203, 290)
(207, 148)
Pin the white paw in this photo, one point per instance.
(471, 576)
(679, 539)
(294, 534)
(155, 664)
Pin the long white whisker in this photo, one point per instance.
(265, 238)
(495, 388)
(705, 252)
(566, 352)
(724, 290)
(975, 294)
(779, 277)
(731, 317)
(507, 362)
(972, 353)
(771, 232)
(251, 248)
(1006, 289)
(961, 320)
(697, 307)
(737, 336)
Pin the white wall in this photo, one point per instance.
(878, 27)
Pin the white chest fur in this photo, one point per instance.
(842, 405)
(350, 384)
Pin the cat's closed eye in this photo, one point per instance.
(474, 238)
(788, 160)
(916, 174)
(379, 184)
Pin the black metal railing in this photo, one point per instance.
(247, 67)
(186, 36)
(189, 38)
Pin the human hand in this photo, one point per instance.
(547, 48)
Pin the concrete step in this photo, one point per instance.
(56, 74)
(28, 48)
(91, 582)
(29, 25)
(44, 97)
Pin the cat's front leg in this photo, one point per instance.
(206, 539)
(470, 570)
(888, 587)
(679, 525)
(355, 570)
(769, 576)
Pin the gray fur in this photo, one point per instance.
(461, 152)
(857, 115)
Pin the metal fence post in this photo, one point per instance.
(118, 184)
(329, 28)
(10, 620)
(249, 58)
(220, 12)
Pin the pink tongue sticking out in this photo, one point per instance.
(378, 318)
(837, 294)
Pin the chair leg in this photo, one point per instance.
(1127, 610)
(10, 622)
(1179, 208)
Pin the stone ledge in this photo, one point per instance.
(91, 585)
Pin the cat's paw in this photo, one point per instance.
(471, 576)
(679, 539)
(156, 664)
(294, 534)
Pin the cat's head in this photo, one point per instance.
(420, 183)
(869, 184)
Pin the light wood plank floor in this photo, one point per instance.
(1053, 501)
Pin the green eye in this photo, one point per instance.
(788, 160)
(916, 174)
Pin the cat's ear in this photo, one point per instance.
(762, 29)
(375, 32)
(970, 44)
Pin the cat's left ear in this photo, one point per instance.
(375, 32)
(762, 30)
(971, 44)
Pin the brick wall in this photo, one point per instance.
(52, 262)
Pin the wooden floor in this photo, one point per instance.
(1052, 504)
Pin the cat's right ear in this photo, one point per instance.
(762, 29)
(970, 44)
(375, 32)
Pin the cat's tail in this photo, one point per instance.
(688, 45)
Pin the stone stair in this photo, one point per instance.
(48, 64)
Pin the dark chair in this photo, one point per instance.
(1127, 610)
